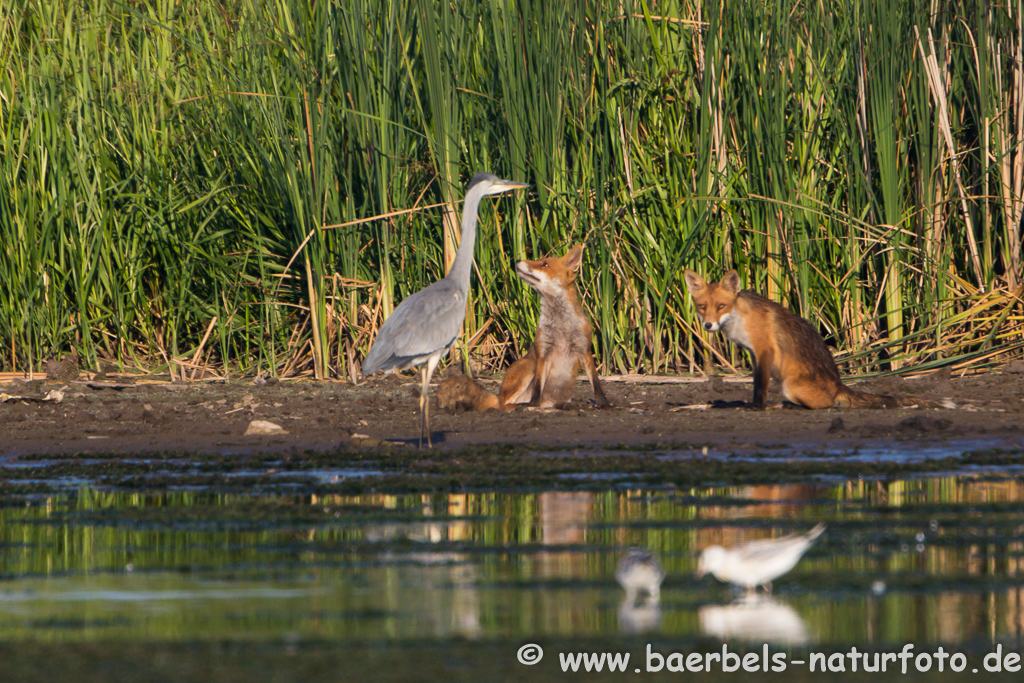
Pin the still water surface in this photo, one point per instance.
(921, 560)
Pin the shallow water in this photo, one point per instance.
(921, 559)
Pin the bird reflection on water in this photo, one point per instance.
(754, 618)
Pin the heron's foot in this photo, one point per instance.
(436, 437)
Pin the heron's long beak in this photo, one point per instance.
(507, 185)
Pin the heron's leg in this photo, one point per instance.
(428, 370)
(423, 404)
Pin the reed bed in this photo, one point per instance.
(242, 187)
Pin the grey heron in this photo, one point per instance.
(426, 324)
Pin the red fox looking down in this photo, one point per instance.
(546, 375)
(784, 346)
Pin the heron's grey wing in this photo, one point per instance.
(424, 323)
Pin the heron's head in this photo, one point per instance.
(710, 560)
(488, 183)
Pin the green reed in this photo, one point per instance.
(254, 186)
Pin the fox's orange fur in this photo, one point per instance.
(459, 392)
(785, 347)
(546, 375)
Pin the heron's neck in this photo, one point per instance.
(463, 263)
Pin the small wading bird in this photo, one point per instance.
(426, 324)
(756, 563)
(640, 572)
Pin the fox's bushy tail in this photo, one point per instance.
(854, 398)
(461, 393)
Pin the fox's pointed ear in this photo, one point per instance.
(574, 258)
(731, 281)
(694, 282)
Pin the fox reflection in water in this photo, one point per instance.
(562, 518)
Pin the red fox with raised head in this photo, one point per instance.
(784, 346)
(545, 376)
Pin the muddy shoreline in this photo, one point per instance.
(376, 424)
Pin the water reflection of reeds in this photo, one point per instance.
(923, 560)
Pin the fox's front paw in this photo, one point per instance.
(754, 406)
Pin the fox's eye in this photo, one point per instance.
(542, 265)
(720, 307)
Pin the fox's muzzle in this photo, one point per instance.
(524, 272)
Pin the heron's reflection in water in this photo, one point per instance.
(436, 587)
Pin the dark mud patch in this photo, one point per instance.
(495, 467)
